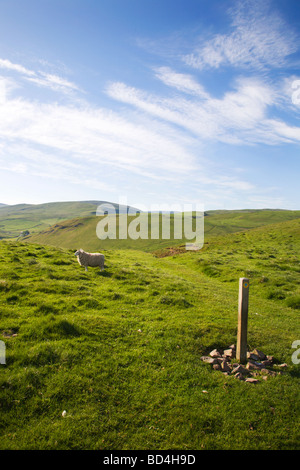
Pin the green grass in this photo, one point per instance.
(38, 217)
(120, 350)
(81, 231)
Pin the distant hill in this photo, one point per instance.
(72, 224)
(81, 232)
(15, 219)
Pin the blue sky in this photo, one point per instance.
(152, 101)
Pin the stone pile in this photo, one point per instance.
(258, 364)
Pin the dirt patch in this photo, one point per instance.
(170, 251)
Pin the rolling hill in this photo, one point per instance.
(81, 231)
(73, 224)
(36, 217)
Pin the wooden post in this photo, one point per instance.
(241, 347)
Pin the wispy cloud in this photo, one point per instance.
(160, 137)
(258, 38)
(8, 65)
(53, 81)
(80, 132)
(181, 81)
(156, 137)
(241, 116)
(40, 78)
(88, 145)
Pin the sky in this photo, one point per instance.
(151, 102)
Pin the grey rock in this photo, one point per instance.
(215, 353)
(254, 365)
(239, 376)
(252, 356)
(260, 354)
(240, 370)
(251, 380)
(267, 363)
(229, 353)
(209, 360)
(225, 367)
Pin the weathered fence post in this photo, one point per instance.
(241, 347)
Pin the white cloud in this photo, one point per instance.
(241, 116)
(90, 146)
(8, 65)
(40, 78)
(96, 137)
(183, 82)
(258, 38)
(152, 136)
(283, 131)
(53, 81)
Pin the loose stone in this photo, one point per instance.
(254, 366)
(240, 370)
(222, 360)
(225, 367)
(215, 353)
(251, 380)
(239, 376)
(228, 352)
(260, 354)
(209, 360)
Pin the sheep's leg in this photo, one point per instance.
(85, 268)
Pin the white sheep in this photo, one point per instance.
(90, 259)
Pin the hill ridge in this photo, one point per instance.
(82, 231)
(17, 218)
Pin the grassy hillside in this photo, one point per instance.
(37, 217)
(81, 232)
(120, 350)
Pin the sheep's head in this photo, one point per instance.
(78, 251)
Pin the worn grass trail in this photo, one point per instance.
(120, 350)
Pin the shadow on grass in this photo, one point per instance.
(103, 273)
